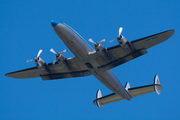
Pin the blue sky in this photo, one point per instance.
(25, 28)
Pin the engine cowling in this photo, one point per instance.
(123, 42)
(60, 57)
(98, 47)
(102, 51)
(41, 64)
(63, 61)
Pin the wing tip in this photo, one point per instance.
(8, 74)
(172, 30)
(12, 76)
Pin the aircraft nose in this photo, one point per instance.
(54, 23)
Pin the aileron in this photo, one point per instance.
(26, 73)
(152, 40)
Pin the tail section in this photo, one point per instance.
(134, 92)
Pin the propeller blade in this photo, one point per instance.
(29, 60)
(54, 62)
(39, 53)
(90, 40)
(120, 30)
(63, 51)
(52, 50)
(102, 41)
(111, 40)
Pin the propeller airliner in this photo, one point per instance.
(98, 62)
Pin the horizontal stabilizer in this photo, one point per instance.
(134, 92)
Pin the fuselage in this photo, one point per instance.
(80, 48)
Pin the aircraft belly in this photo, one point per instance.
(80, 49)
(111, 82)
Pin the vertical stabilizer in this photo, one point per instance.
(99, 95)
(156, 82)
(127, 86)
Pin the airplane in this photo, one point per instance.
(98, 62)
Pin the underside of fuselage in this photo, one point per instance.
(80, 48)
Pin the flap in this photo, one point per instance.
(122, 60)
(65, 75)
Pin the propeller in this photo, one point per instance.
(37, 57)
(29, 60)
(53, 51)
(111, 40)
(39, 53)
(120, 31)
(104, 40)
(57, 54)
(96, 43)
(63, 51)
(90, 40)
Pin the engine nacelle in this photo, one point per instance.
(102, 51)
(123, 42)
(63, 61)
(60, 57)
(41, 64)
(98, 47)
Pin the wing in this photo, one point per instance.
(134, 92)
(57, 71)
(120, 55)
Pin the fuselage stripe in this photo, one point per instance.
(77, 34)
(81, 47)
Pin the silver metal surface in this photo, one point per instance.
(81, 49)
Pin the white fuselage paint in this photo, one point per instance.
(80, 48)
